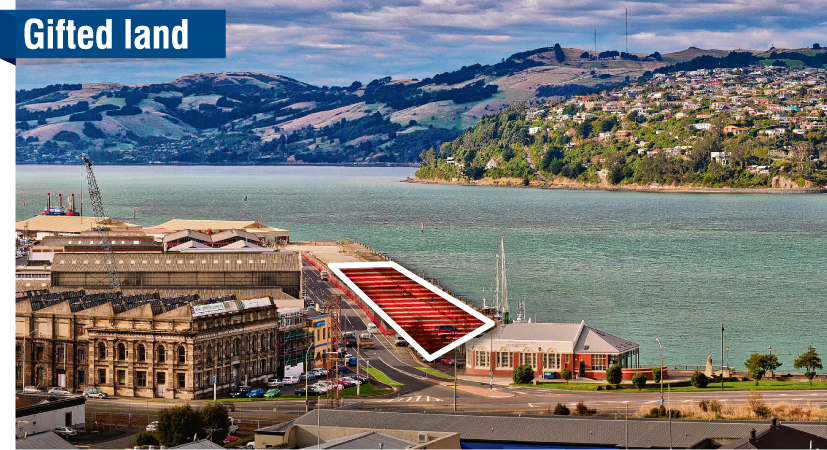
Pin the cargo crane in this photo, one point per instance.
(100, 226)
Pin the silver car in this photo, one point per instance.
(58, 391)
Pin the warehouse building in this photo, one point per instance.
(144, 345)
(146, 272)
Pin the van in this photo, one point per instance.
(366, 340)
(399, 341)
(323, 275)
(372, 328)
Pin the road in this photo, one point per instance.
(423, 392)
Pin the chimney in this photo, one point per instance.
(752, 433)
(774, 422)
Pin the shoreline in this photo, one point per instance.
(658, 189)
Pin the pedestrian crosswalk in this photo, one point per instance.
(413, 398)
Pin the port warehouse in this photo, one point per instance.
(354, 428)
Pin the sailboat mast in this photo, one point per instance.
(497, 288)
(504, 281)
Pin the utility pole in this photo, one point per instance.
(722, 356)
(661, 371)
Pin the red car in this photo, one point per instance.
(230, 439)
(447, 361)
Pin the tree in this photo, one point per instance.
(566, 374)
(214, 416)
(558, 53)
(816, 46)
(523, 374)
(585, 55)
(639, 381)
(146, 438)
(656, 374)
(614, 375)
(178, 424)
(759, 364)
(699, 380)
(810, 361)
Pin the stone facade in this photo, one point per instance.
(143, 346)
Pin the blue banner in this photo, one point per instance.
(113, 34)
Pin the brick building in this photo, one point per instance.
(550, 348)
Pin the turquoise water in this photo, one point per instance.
(636, 265)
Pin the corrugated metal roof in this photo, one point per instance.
(368, 439)
(216, 225)
(643, 433)
(47, 440)
(67, 224)
(178, 262)
(188, 244)
(524, 331)
(596, 341)
(201, 444)
(197, 235)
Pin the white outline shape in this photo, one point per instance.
(487, 323)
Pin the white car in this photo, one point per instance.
(30, 390)
(290, 380)
(321, 386)
(65, 431)
(153, 426)
(352, 380)
(274, 382)
(58, 391)
(372, 328)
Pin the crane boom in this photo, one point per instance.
(100, 226)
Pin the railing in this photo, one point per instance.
(696, 367)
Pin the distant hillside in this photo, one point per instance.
(255, 118)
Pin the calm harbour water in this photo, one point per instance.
(636, 265)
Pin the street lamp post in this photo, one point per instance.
(727, 358)
(661, 371)
(306, 397)
(23, 375)
(627, 423)
(722, 355)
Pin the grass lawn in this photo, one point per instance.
(435, 372)
(382, 378)
(365, 390)
(728, 386)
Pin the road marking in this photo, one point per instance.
(530, 405)
(521, 393)
(653, 401)
(414, 399)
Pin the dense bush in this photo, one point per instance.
(583, 410)
(561, 410)
(614, 375)
(656, 374)
(566, 374)
(639, 381)
(523, 374)
(66, 136)
(699, 380)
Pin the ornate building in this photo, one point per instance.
(144, 345)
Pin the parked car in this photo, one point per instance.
(274, 382)
(347, 383)
(58, 391)
(310, 390)
(309, 376)
(272, 393)
(343, 369)
(322, 372)
(228, 406)
(65, 431)
(230, 439)
(241, 391)
(372, 328)
(290, 380)
(350, 359)
(329, 385)
(91, 392)
(360, 377)
(256, 393)
(153, 426)
(446, 361)
(322, 386)
(399, 341)
(352, 380)
(30, 390)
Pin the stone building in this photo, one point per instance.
(144, 345)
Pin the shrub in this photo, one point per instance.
(561, 410)
(755, 403)
(661, 411)
(762, 412)
(639, 381)
(699, 380)
(566, 374)
(614, 375)
(523, 374)
(146, 438)
(656, 374)
(810, 374)
(704, 405)
(715, 406)
(583, 410)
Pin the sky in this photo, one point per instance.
(337, 42)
